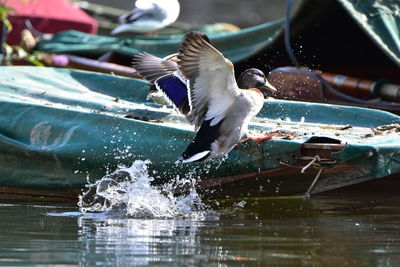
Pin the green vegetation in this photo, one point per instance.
(13, 54)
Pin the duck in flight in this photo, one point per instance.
(148, 16)
(201, 84)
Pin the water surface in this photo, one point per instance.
(272, 231)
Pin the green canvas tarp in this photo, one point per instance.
(380, 19)
(235, 45)
(60, 126)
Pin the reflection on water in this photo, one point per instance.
(137, 242)
(274, 231)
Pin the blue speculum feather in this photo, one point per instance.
(176, 90)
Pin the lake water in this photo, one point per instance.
(323, 231)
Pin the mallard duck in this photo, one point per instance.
(200, 83)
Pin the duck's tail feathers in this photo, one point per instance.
(200, 148)
(197, 157)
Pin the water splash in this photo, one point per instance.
(128, 192)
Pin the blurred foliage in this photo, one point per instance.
(10, 54)
(15, 53)
(4, 10)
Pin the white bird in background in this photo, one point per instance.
(149, 16)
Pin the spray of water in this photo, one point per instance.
(128, 190)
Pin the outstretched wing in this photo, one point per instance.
(151, 67)
(212, 84)
(164, 74)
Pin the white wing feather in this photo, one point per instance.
(211, 78)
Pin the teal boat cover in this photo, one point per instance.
(234, 45)
(60, 126)
(379, 19)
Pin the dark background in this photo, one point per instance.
(241, 13)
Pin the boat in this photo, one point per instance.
(301, 83)
(237, 45)
(350, 47)
(361, 68)
(60, 128)
(314, 29)
(107, 18)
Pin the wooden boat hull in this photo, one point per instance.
(275, 182)
(61, 127)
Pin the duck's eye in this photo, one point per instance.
(260, 82)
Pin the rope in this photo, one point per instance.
(321, 166)
(310, 163)
(307, 194)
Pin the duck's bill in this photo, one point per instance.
(269, 87)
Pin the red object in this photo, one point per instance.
(48, 16)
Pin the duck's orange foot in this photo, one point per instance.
(260, 138)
